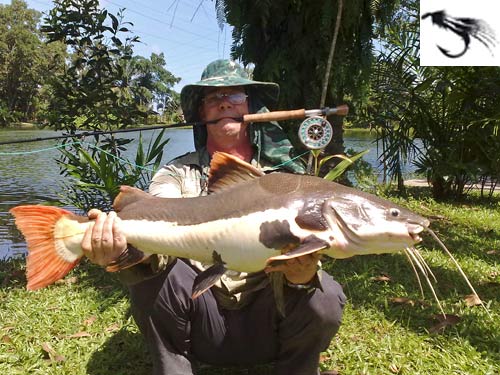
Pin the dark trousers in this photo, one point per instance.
(181, 331)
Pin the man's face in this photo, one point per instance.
(224, 104)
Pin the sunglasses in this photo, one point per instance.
(234, 98)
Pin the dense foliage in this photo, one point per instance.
(150, 82)
(94, 86)
(25, 63)
(36, 77)
(452, 110)
(102, 88)
(289, 43)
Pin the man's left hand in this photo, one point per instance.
(300, 270)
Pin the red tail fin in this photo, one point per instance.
(48, 260)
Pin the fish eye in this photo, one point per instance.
(394, 212)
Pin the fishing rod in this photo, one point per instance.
(98, 132)
(313, 132)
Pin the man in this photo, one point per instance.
(236, 322)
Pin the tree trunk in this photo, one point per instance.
(330, 55)
(336, 146)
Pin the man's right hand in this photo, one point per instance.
(103, 240)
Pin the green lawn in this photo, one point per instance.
(83, 325)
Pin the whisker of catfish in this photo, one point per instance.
(424, 263)
(406, 251)
(417, 262)
(443, 246)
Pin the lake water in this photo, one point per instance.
(30, 175)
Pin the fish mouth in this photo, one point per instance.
(415, 235)
(415, 228)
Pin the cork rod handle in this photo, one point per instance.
(275, 116)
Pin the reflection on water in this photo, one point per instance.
(30, 177)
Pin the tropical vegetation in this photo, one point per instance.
(41, 58)
(83, 324)
(452, 111)
(26, 64)
(114, 90)
(289, 43)
(77, 72)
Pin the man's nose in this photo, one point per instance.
(224, 103)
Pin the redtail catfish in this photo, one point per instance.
(248, 221)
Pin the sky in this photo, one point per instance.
(186, 31)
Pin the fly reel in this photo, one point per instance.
(315, 132)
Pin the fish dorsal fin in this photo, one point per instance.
(128, 195)
(227, 170)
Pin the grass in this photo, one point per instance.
(83, 324)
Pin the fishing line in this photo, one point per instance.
(292, 159)
(314, 131)
(117, 157)
(129, 130)
(20, 153)
(102, 132)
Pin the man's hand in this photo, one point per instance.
(300, 270)
(103, 240)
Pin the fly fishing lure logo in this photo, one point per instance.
(459, 33)
(465, 28)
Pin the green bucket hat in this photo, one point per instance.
(225, 73)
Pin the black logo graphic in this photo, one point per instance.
(465, 28)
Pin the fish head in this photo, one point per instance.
(366, 224)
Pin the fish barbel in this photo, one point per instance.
(249, 220)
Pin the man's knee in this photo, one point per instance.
(322, 309)
(327, 305)
(152, 295)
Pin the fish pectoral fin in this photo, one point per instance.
(207, 278)
(128, 258)
(309, 245)
(312, 217)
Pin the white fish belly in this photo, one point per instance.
(236, 240)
